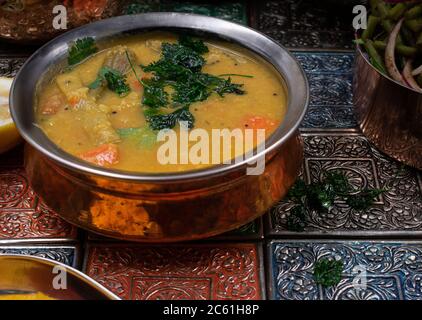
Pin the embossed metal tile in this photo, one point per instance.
(64, 254)
(23, 216)
(308, 23)
(196, 271)
(228, 10)
(398, 211)
(9, 66)
(330, 82)
(393, 270)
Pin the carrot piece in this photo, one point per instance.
(135, 85)
(104, 155)
(73, 101)
(258, 122)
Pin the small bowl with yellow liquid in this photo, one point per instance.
(34, 278)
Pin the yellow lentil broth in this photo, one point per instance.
(70, 127)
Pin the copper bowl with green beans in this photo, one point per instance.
(387, 83)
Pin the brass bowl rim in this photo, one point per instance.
(76, 273)
(283, 61)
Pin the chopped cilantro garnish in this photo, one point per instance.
(81, 49)
(320, 196)
(179, 70)
(327, 272)
(115, 81)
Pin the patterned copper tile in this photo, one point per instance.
(398, 211)
(196, 271)
(23, 216)
(308, 23)
(64, 254)
(384, 270)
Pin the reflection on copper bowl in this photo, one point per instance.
(161, 207)
(389, 114)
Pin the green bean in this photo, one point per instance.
(414, 12)
(374, 8)
(388, 26)
(383, 9)
(370, 28)
(406, 51)
(380, 45)
(397, 11)
(376, 59)
(415, 24)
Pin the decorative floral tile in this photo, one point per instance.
(398, 211)
(308, 23)
(194, 271)
(229, 10)
(9, 66)
(64, 254)
(23, 216)
(372, 270)
(330, 82)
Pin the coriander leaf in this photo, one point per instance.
(114, 79)
(297, 191)
(235, 75)
(296, 220)
(167, 70)
(364, 199)
(193, 89)
(196, 45)
(327, 272)
(154, 94)
(338, 182)
(81, 49)
(320, 197)
(100, 80)
(226, 86)
(168, 121)
(117, 83)
(182, 56)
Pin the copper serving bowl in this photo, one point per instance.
(161, 207)
(389, 114)
(28, 276)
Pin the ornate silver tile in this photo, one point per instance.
(308, 23)
(64, 254)
(330, 82)
(398, 211)
(10, 66)
(372, 270)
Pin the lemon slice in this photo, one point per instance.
(9, 136)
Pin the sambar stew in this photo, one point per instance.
(107, 106)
